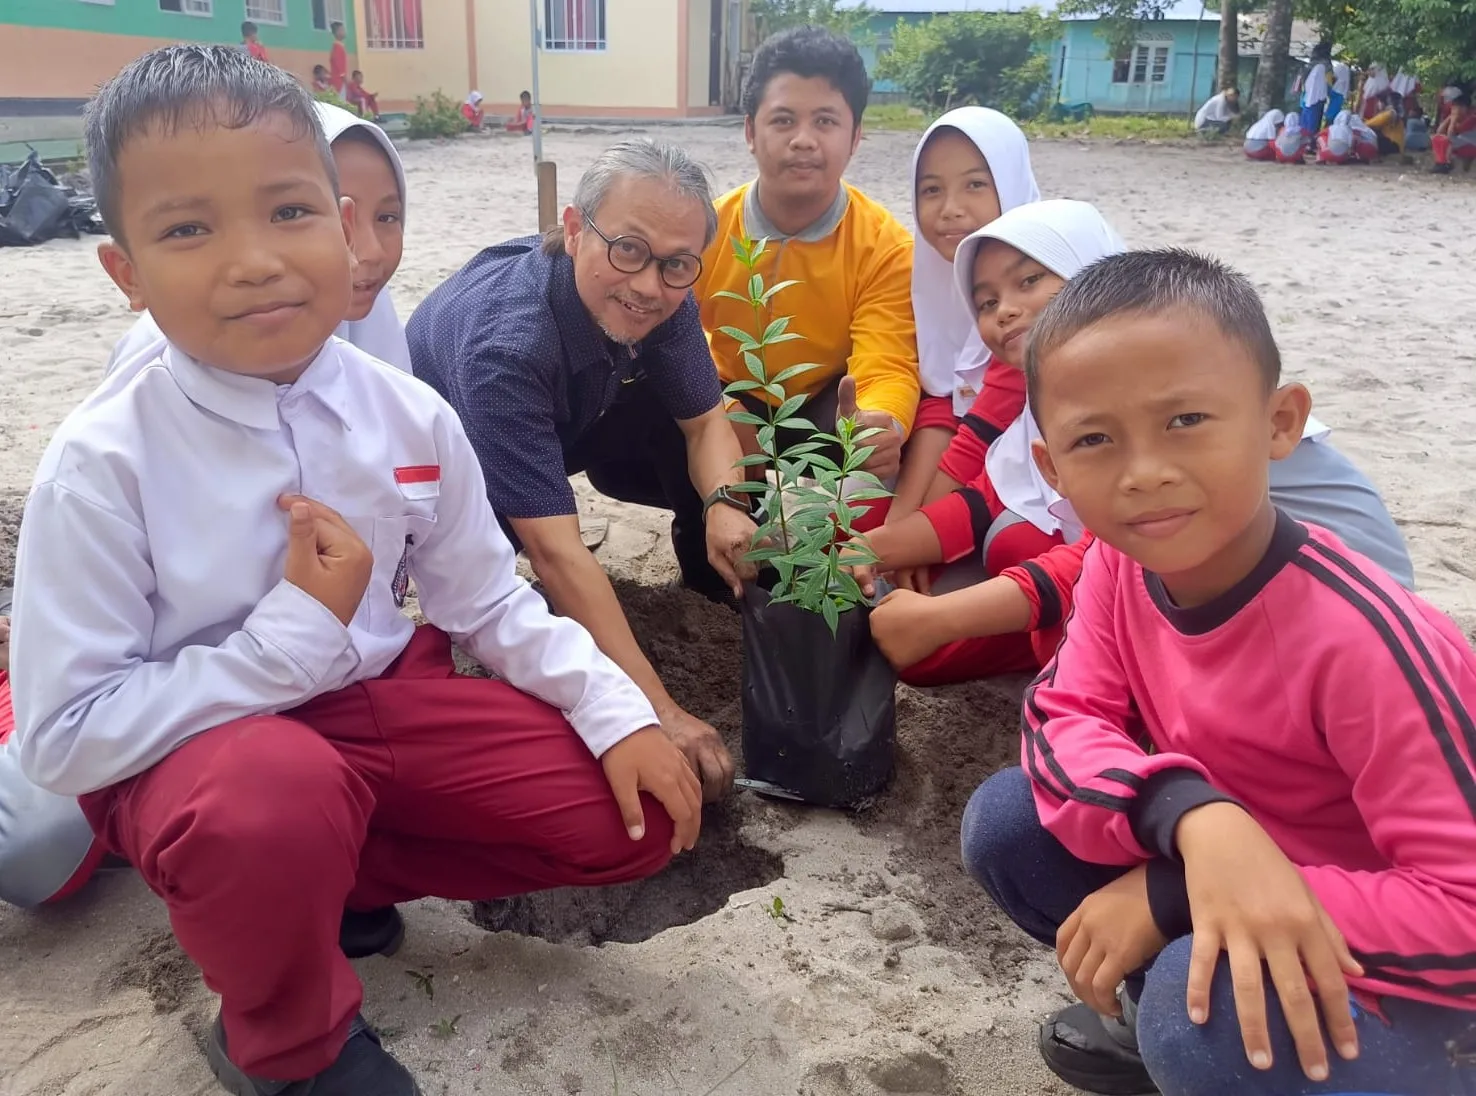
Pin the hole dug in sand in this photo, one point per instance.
(696, 885)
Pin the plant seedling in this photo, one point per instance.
(809, 508)
(779, 912)
(443, 1028)
(425, 981)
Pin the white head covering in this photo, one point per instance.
(951, 357)
(1450, 93)
(474, 98)
(379, 334)
(1403, 82)
(1265, 129)
(1293, 125)
(1341, 129)
(1064, 237)
(1342, 78)
(1361, 130)
(1376, 83)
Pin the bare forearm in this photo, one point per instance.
(910, 542)
(994, 607)
(919, 468)
(580, 589)
(941, 486)
(713, 450)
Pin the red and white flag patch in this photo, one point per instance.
(419, 481)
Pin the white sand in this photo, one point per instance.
(1367, 285)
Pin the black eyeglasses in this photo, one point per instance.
(631, 255)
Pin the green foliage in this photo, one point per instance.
(1119, 19)
(772, 16)
(806, 517)
(985, 58)
(332, 98)
(437, 116)
(1435, 39)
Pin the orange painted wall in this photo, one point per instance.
(43, 63)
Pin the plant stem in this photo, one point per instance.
(761, 326)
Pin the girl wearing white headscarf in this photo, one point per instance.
(970, 166)
(372, 324)
(1365, 140)
(47, 849)
(1291, 142)
(1335, 145)
(1260, 139)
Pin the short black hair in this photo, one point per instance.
(335, 25)
(189, 85)
(1152, 283)
(248, 28)
(809, 52)
(525, 95)
(1461, 100)
(357, 72)
(320, 68)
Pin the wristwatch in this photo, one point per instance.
(727, 497)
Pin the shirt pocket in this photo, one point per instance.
(396, 538)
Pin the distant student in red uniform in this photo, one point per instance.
(522, 122)
(321, 82)
(1455, 138)
(472, 110)
(250, 41)
(1246, 816)
(338, 69)
(365, 102)
(243, 710)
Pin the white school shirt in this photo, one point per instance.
(1215, 109)
(150, 604)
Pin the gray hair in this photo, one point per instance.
(641, 158)
(189, 85)
(1152, 283)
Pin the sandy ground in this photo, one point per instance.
(895, 974)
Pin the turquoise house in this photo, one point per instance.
(1169, 67)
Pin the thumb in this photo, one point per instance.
(302, 534)
(845, 401)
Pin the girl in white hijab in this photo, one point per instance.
(1291, 143)
(1336, 145)
(369, 172)
(47, 849)
(971, 165)
(1260, 139)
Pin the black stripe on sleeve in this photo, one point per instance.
(986, 432)
(1424, 961)
(1046, 594)
(980, 519)
(1458, 991)
(1434, 719)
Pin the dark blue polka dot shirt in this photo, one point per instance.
(508, 343)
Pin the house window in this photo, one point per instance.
(109, 3)
(573, 25)
(326, 13)
(1146, 62)
(188, 7)
(267, 11)
(393, 24)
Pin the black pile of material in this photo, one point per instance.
(34, 207)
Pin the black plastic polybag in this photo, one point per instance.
(35, 207)
(819, 713)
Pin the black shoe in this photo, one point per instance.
(1441, 169)
(373, 932)
(1081, 1048)
(363, 1068)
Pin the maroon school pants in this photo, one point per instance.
(259, 833)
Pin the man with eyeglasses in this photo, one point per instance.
(584, 352)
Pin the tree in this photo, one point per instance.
(1118, 20)
(1228, 74)
(1435, 39)
(772, 16)
(1270, 85)
(986, 58)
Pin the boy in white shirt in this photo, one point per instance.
(210, 650)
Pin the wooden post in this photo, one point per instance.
(548, 195)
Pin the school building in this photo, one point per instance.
(597, 58)
(54, 53)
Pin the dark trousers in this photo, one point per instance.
(636, 452)
(1038, 884)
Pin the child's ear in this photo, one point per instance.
(346, 215)
(124, 274)
(1289, 406)
(748, 133)
(1047, 466)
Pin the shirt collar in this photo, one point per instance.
(252, 401)
(760, 227)
(583, 342)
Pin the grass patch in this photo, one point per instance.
(1105, 127)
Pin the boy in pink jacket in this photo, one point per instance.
(1246, 816)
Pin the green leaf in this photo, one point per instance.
(735, 387)
(805, 447)
(788, 336)
(789, 407)
(821, 462)
(730, 295)
(850, 589)
(752, 460)
(766, 438)
(764, 295)
(793, 371)
(756, 288)
(795, 423)
(742, 250)
(747, 418)
(745, 340)
(869, 479)
(756, 248)
(755, 366)
(776, 391)
(776, 328)
(866, 494)
(831, 615)
(748, 487)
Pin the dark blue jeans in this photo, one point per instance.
(1038, 884)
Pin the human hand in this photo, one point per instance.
(902, 627)
(1248, 899)
(647, 762)
(1110, 935)
(729, 537)
(326, 559)
(703, 748)
(886, 457)
(917, 579)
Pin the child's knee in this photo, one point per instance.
(999, 824)
(610, 856)
(1182, 1056)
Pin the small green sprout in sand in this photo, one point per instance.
(425, 981)
(443, 1028)
(778, 911)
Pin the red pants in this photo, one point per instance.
(1267, 154)
(984, 656)
(259, 833)
(1440, 144)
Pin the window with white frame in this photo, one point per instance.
(573, 25)
(393, 24)
(1144, 63)
(326, 13)
(267, 11)
(188, 7)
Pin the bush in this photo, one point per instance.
(437, 116)
(332, 98)
(985, 58)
